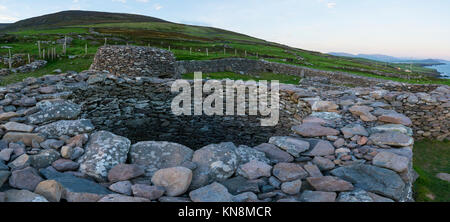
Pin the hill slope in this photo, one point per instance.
(68, 18)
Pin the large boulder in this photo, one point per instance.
(373, 179)
(175, 180)
(154, 155)
(314, 130)
(76, 189)
(26, 179)
(123, 172)
(395, 139)
(215, 162)
(391, 161)
(21, 196)
(104, 151)
(55, 111)
(215, 192)
(66, 128)
(291, 145)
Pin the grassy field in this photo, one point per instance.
(79, 64)
(286, 79)
(191, 43)
(431, 158)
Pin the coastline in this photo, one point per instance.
(444, 73)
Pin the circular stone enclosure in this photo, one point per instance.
(140, 109)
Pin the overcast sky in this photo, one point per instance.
(406, 28)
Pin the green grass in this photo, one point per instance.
(78, 64)
(286, 79)
(431, 158)
(196, 31)
(52, 31)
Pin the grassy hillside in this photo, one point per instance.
(67, 18)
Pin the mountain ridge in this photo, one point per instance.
(387, 58)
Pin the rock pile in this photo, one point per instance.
(33, 66)
(49, 152)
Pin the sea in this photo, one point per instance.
(443, 69)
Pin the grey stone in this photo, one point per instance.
(103, 151)
(247, 154)
(275, 154)
(323, 163)
(122, 172)
(329, 184)
(66, 127)
(395, 139)
(25, 179)
(117, 198)
(354, 129)
(58, 111)
(291, 145)
(255, 169)
(149, 192)
(314, 130)
(217, 161)
(318, 196)
(214, 192)
(44, 159)
(358, 195)
(237, 185)
(159, 155)
(289, 171)
(321, 148)
(374, 179)
(52, 144)
(122, 187)
(22, 196)
(392, 128)
(4, 175)
(77, 189)
(391, 161)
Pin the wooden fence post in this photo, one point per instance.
(106, 39)
(207, 53)
(85, 49)
(10, 59)
(29, 59)
(43, 54)
(190, 51)
(39, 48)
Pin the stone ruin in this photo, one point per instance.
(98, 136)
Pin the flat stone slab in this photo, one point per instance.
(395, 139)
(374, 179)
(329, 184)
(318, 196)
(314, 130)
(291, 145)
(215, 192)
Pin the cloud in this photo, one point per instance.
(121, 1)
(331, 5)
(7, 19)
(143, 1)
(2, 8)
(157, 7)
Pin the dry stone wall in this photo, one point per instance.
(54, 135)
(135, 61)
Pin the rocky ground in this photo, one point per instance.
(347, 150)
